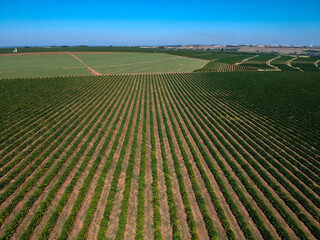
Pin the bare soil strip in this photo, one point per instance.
(166, 228)
(67, 210)
(130, 229)
(148, 210)
(205, 193)
(182, 217)
(116, 209)
(289, 63)
(202, 231)
(246, 60)
(272, 66)
(94, 72)
(98, 215)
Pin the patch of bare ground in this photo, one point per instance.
(166, 229)
(148, 208)
(67, 209)
(116, 210)
(42, 197)
(202, 231)
(289, 63)
(182, 218)
(246, 59)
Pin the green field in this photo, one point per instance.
(161, 156)
(28, 66)
(140, 63)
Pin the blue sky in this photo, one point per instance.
(159, 22)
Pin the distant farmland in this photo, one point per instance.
(68, 64)
(160, 156)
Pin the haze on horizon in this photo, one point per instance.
(39, 23)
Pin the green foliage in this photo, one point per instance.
(255, 136)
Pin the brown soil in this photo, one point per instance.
(21, 228)
(8, 200)
(94, 228)
(201, 229)
(205, 194)
(241, 208)
(68, 207)
(115, 213)
(182, 218)
(130, 230)
(166, 229)
(148, 209)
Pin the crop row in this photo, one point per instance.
(93, 168)
(141, 189)
(195, 186)
(231, 180)
(268, 132)
(44, 205)
(116, 175)
(28, 133)
(39, 115)
(248, 158)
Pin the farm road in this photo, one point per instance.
(94, 72)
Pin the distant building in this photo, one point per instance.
(15, 50)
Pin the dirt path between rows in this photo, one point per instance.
(94, 72)
(290, 65)
(246, 59)
(272, 66)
